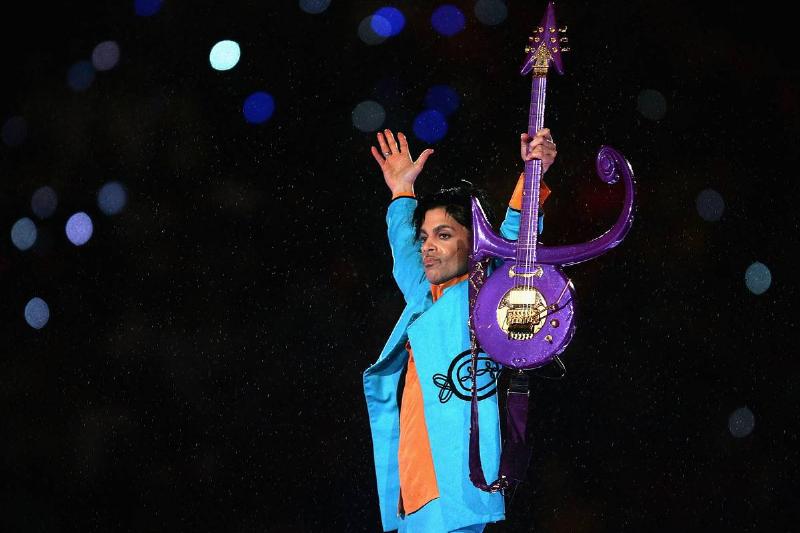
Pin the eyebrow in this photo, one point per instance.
(438, 228)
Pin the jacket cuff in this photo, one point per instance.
(403, 195)
(516, 198)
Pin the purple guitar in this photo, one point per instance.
(523, 315)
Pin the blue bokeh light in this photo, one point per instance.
(105, 55)
(80, 76)
(448, 20)
(258, 107)
(710, 205)
(443, 99)
(314, 7)
(430, 126)
(37, 313)
(741, 422)
(390, 16)
(380, 26)
(147, 8)
(79, 228)
(758, 278)
(44, 202)
(23, 233)
(111, 198)
(15, 130)
(224, 55)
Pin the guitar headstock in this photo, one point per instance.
(545, 45)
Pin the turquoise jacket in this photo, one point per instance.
(439, 335)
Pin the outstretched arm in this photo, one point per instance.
(400, 171)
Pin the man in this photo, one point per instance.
(418, 416)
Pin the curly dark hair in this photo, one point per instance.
(456, 203)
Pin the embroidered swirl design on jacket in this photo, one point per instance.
(458, 380)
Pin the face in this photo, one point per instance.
(445, 247)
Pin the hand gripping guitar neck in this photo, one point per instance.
(522, 315)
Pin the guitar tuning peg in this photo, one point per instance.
(565, 49)
(527, 49)
(563, 30)
(564, 40)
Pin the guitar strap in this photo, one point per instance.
(516, 454)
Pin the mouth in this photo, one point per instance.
(429, 262)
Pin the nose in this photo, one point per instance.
(427, 246)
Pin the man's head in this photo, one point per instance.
(443, 224)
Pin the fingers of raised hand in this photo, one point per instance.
(545, 133)
(403, 142)
(391, 142)
(384, 145)
(389, 145)
(377, 155)
(541, 151)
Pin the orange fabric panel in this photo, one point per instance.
(516, 198)
(417, 477)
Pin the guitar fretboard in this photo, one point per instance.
(528, 230)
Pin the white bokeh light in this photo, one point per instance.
(23, 233)
(758, 278)
(651, 104)
(105, 55)
(368, 116)
(491, 12)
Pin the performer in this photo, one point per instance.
(418, 390)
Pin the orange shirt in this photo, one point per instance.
(417, 475)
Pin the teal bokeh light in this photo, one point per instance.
(224, 55)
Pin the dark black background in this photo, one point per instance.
(201, 370)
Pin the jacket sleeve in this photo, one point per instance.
(510, 226)
(406, 263)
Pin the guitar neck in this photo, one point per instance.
(529, 227)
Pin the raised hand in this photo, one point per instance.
(398, 167)
(541, 146)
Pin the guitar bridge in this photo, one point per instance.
(522, 323)
(521, 313)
